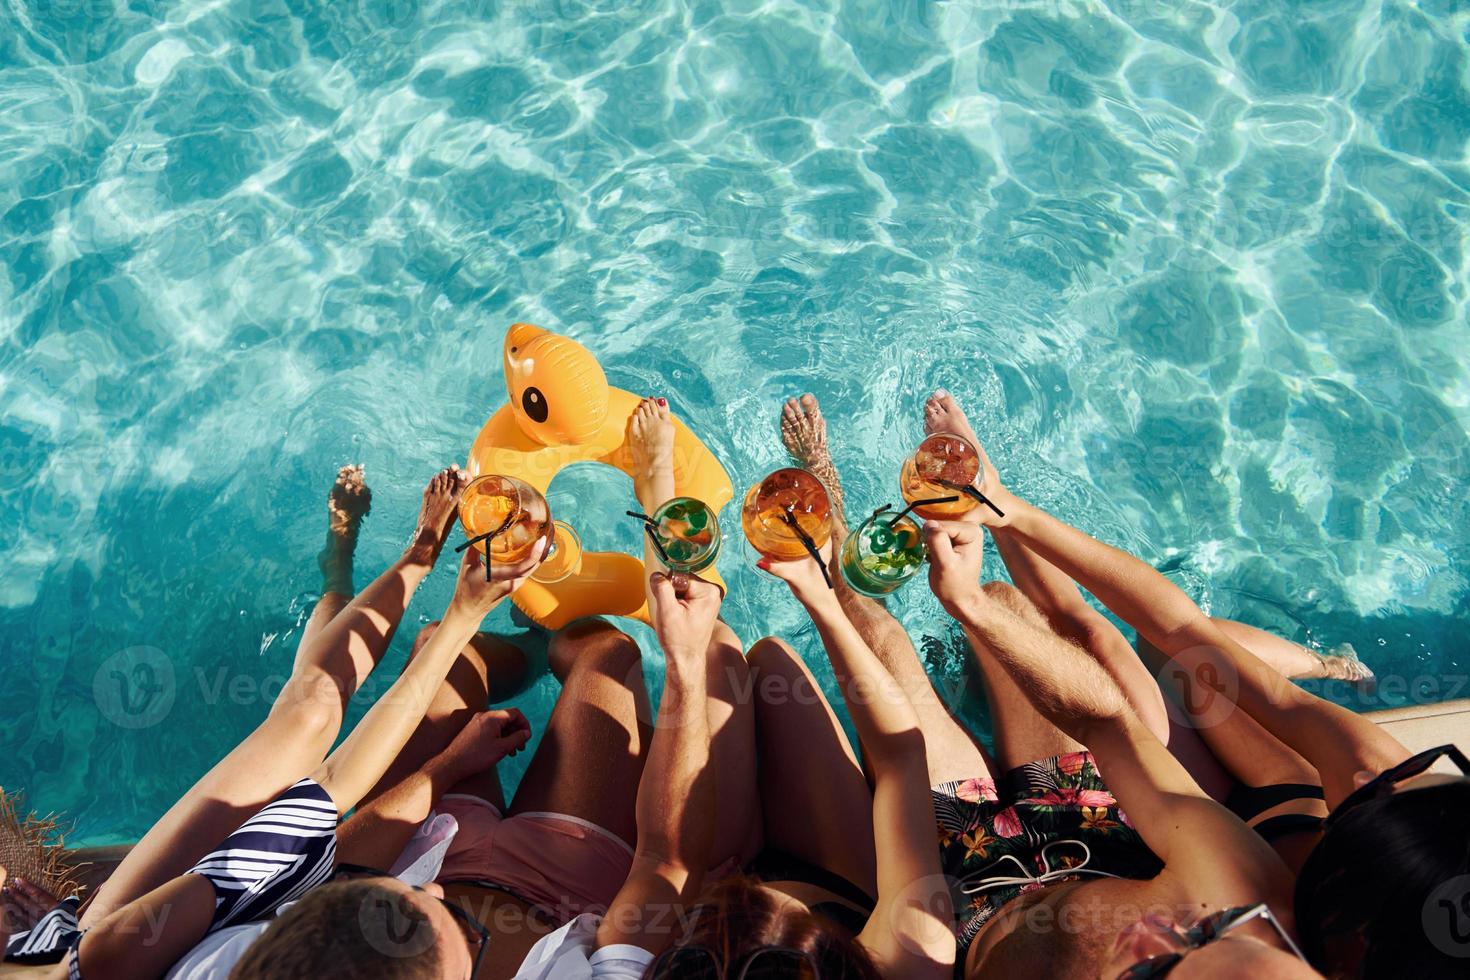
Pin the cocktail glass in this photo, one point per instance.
(882, 554)
(687, 533)
(563, 557)
(781, 508)
(504, 518)
(945, 464)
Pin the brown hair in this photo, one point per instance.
(738, 917)
(346, 929)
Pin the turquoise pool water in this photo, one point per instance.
(1199, 271)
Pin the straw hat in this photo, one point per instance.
(31, 847)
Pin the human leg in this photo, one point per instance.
(732, 725)
(1293, 660)
(488, 670)
(348, 503)
(1054, 594)
(1022, 734)
(952, 753)
(1060, 601)
(301, 726)
(592, 752)
(815, 802)
(1251, 756)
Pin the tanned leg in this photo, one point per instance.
(489, 669)
(347, 505)
(302, 725)
(591, 756)
(953, 754)
(731, 714)
(1293, 660)
(816, 802)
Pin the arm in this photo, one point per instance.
(5, 913)
(1337, 742)
(1061, 602)
(356, 765)
(32, 919)
(1073, 692)
(359, 762)
(376, 834)
(910, 932)
(145, 937)
(676, 800)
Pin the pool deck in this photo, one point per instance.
(1425, 726)
(1419, 727)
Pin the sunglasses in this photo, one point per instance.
(701, 963)
(476, 936)
(1382, 785)
(1204, 932)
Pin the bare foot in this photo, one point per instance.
(436, 517)
(1342, 664)
(651, 445)
(804, 434)
(943, 414)
(347, 504)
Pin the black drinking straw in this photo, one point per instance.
(973, 494)
(648, 525)
(489, 536)
(808, 543)
(920, 503)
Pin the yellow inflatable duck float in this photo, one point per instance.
(561, 412)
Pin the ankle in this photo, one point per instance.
(335, 563)
(338, 581)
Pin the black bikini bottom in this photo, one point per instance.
(1249, 802)
(773, 865)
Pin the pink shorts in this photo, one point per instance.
(563, 865)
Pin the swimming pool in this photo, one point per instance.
(1198, 271)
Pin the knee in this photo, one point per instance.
(1076, 621)
(312, 708)
(726, 655)
(1003, 592)
(779, 678)
(318, 718)
(592, 644)
(1098, 636)
(771, 656)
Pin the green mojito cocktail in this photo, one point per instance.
(689, 534)
(882, 554)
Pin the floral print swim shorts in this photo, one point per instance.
(1047, 821)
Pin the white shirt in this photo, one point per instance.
(571, 953)
(217, 953)
(419, 864)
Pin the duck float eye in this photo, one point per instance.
(561, 412)
(533, 403)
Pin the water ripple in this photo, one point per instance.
(1199, 269)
